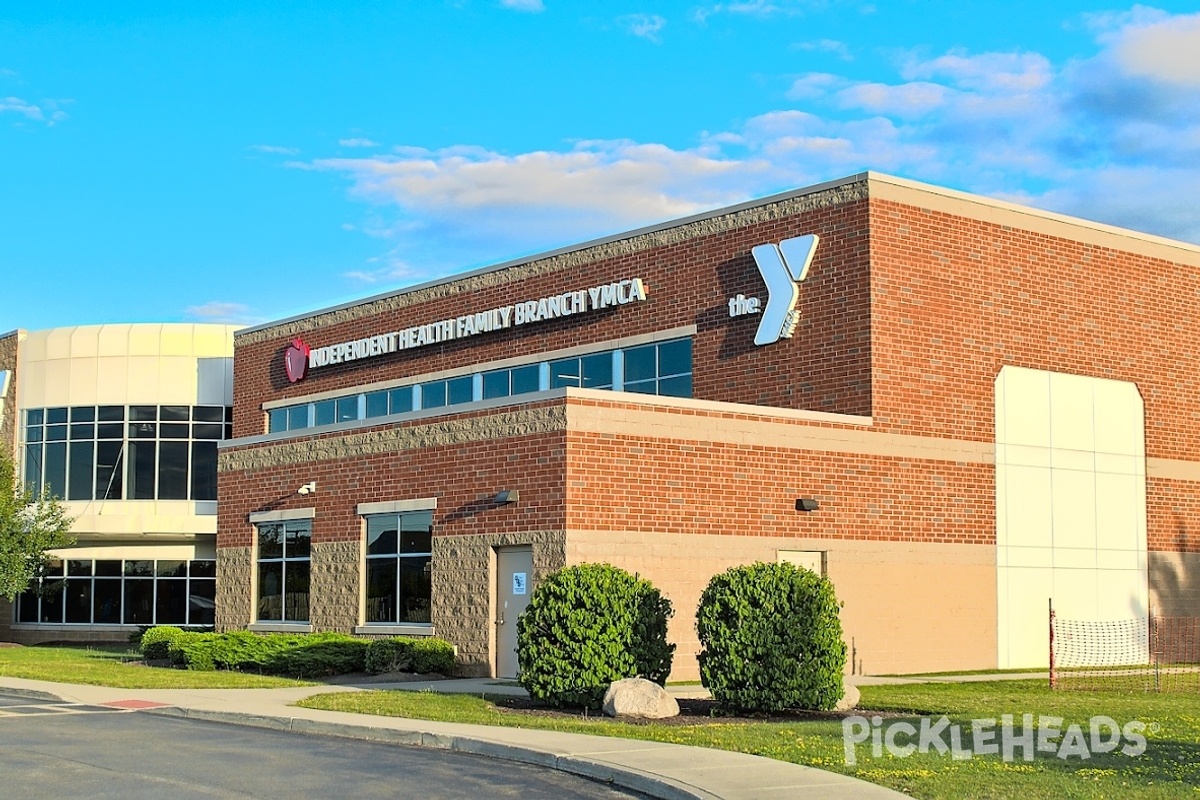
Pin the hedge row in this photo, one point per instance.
(297, 655)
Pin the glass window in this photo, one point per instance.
(110, 413)
(143, 430)
(208, 430)
(106, 601)
(142, 470)
(35, 416)
(83, 414)
(400, 400)
(325, 412)
(174, 430)
(283, 570)
(143, 413)
(81, 471)
(56, 415)
(297, 417)
(33, 466)
(277, 420)
(85, 430)
(204, 470)
(109, 470)
(347, 408)
(495, 384)
(641, 364)
(377, 405)
(433, 394)
(56, 468)
(110, 430)
(175, 413)
(398, 571)
(460, 390)
(208, 413)
(597, 371)
(526, 379)
(56, 433)
(564, 373)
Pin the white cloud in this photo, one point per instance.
(814, 85)
(19, 106)
(357, 143)
(644, 26)
(523, 5)
(274, 149)
(221, 312)
(905, 100)
(839, 49)
(1166, 49)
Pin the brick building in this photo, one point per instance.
(988, 406)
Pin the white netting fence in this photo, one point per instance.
(1150, 654)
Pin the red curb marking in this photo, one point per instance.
(134, 704)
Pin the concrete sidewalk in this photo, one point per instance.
(660, 770)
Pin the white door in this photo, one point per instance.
(514, 571)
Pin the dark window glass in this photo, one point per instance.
(433, 394)
(640, 363)
(143, 413)
(143, 430)
(82, 461)
(229, 413)
(52, 605)
(85, 430)
(171, 569)
(202, 596)
(526, 379)
(416, 532)
(35, 416)
(675, 358)
(680, 386)
(106, 596)
(33, 434)
(56, 433)
(460, 390)
(78, 569)
(270, 540)
(597, 371)
(277, 420)
(139, 569)
(564, 373)
(295, 601)
(110, 430)
(111, 413)
(347, 408)
(270, 590)
(381, 535)
(139, 601)
(173, 471)
(173, 430)
(54, 569)
(33, 466)
(400, 400)
(298, 539)
(83, 414)
(174, 413)
(495, 384)
(208, 413)
(56, 415)
(381, 590)
(208, 430)
(377, 404)
(414, 589)
(142, 470)
(297, 417)
(204, 470)
(108, 568)
(109, 472)
(79, 601)
(325, 412)
(171, 604)
(203, 569)
(56, 468)
(27, 607)
(643, 387)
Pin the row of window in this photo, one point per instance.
(116, 592)
(397, 569)
(125, 453)
(663, 369)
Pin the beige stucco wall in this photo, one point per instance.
(907, 607)
(1174, 584)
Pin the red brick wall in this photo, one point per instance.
(825, 367)
(954, 299)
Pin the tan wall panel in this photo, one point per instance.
(907, 607)
(1174, 583)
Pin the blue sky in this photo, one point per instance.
(245, 161)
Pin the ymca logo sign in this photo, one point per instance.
(783, 267)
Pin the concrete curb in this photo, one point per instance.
(34, 694)
(634, 780)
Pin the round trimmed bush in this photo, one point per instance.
(771, 639)
(156, 642)
(587, 626)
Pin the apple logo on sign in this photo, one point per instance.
(295, 359)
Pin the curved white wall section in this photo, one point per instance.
(1070, 508)
(124, 365)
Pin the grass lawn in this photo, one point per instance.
(105, 666)
(1169, 768)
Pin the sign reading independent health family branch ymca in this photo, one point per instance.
(566, 304)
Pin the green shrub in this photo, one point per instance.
(771, 639)
(156, 642)
(321, 656)
(192, 650)
(587, 626)
(432, 655)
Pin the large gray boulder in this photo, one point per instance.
(638, 697)
(850, 699)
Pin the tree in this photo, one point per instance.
(29, 526)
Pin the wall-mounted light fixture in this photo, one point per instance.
(806, 504)
(508, 496)
(307, 488)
